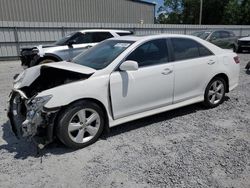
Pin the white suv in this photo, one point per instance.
(68, 47)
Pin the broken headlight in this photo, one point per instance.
(37, 103)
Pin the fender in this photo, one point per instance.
(38, 59)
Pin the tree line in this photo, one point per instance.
(228, 12)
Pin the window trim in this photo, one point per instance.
(172, 48)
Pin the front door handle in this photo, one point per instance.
(211, 62)
(167, 71)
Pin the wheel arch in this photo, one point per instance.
(54, 57)
(99, 103)
(223, 76)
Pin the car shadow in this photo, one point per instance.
(23, 149)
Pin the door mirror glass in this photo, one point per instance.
(129, 66)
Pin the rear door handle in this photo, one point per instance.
(167, 71)
(211, 62)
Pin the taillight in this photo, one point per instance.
(236, 59)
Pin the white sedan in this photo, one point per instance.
(119, 80)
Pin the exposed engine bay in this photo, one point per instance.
(26, 112)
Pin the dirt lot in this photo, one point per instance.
(188, 147)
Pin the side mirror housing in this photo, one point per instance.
(129, 66)
(71, 42)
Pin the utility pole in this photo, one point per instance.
(201, 7)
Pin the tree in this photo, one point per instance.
(171, 12)
(232, 13)
(214, 12)
(245, 12)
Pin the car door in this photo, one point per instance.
(216, 39)
(150, 87)
(193, 67)
(226, 40)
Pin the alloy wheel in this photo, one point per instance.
(216, 92)
(84, 125)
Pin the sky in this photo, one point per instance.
(159, 3)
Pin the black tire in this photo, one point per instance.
(45, 61)
(239, 50)
(248, 66)
(234, 48)
(207, 100)
(66, 116)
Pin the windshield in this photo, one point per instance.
(63, 40)
(204, 35)
(102, 54)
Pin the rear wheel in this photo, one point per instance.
(239, 50)
(215, 92)
(80, 124)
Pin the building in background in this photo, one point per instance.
(84, 11)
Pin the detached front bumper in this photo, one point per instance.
(37, 125)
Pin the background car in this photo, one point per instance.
(119, 80)
(68, 47)
(243, 44)
(222, 38)
(248, 66)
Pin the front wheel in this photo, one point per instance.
(215, 92)
(80, 124)
(45, 61)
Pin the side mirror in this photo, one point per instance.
(129, 66)
(71, 42)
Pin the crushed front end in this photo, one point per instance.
(29, 56)
(29, 119)
(27, 113)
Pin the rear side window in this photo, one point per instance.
(204, 51)
(224, 34)
(100, 36)
(188, 49)
(150, 53)
(125, 34)
(185, 49)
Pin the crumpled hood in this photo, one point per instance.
(71, 67)
(244, 39)
(29, 75)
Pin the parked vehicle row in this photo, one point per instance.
(243, 44)
(68, 47)
(118, 80)
(225, 39)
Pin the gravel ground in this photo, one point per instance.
(187, 147)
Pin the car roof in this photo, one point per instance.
(105, 30)
(148, 37)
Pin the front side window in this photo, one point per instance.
(151, 53)
(184, 49)
(101, 55)
(64, 40)
(215, 35)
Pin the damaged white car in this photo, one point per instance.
(118, 80)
